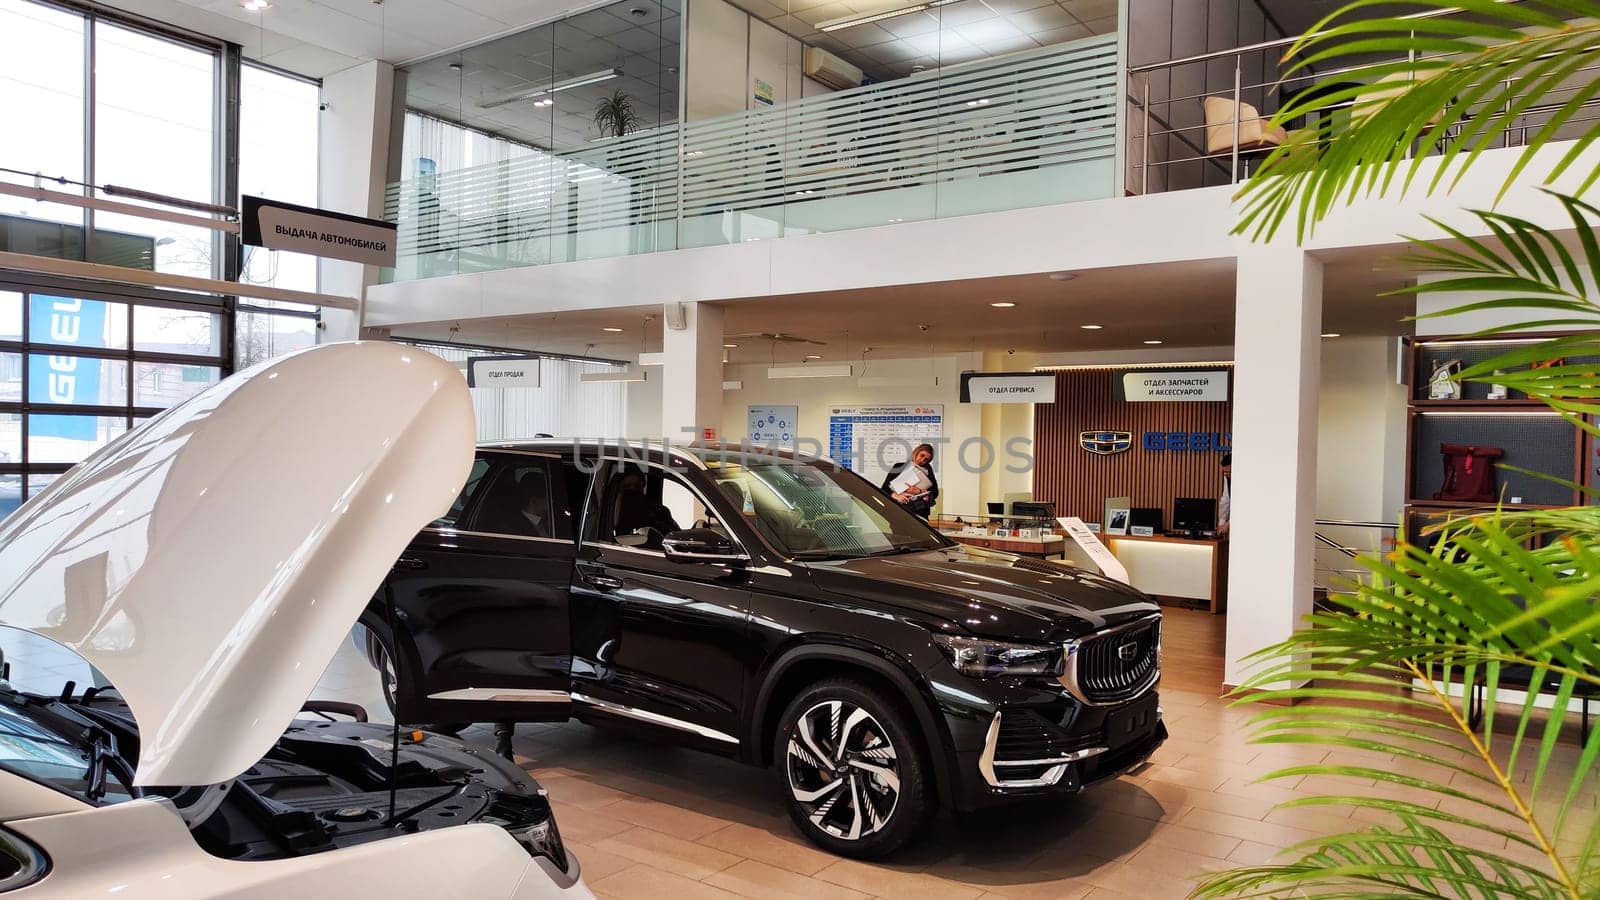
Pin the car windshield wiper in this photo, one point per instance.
(102, 747)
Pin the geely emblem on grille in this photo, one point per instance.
(1127, 652)
(1105, 443)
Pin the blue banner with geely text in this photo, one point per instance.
(59, 378)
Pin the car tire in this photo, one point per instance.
(851, 768)
(381, 655)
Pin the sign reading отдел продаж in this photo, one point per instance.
(1150, 387)
(301, 229)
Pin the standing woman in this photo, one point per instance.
(912, 484)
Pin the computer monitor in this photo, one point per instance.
(1030, 509)
(1145, 517)
(1012, 498)
(997, 508)
(1194, 514)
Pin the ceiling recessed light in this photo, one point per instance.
(730, 346)
(1332, 334)
(1002, 304)
(1152, 342)
(612, 329)
(1091, 327)
(255, 5)
(1062, 276)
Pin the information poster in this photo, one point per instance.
(773, 425)
(870, 439)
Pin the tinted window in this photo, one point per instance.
(480, 467)
(517, 501)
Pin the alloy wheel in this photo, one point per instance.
(843, 770)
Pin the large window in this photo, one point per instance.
(77, 370)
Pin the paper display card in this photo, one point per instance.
(912, 477)
(1109, 565)
(1142, 531)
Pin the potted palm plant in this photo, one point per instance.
(614, 116)
(1476, 802)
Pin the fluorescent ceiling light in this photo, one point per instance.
(1152, 343)
(625, 374)
(611, 330)
(1091, 327)
(652, 359)
(541, 90)
(1002, 304)
(1332, 334)
(733, 385)
(835, 371)
(730, 346)
(855, 19)
(256, 5)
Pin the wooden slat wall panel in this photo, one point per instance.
(1079, 482)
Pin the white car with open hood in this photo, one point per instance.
(208, 565)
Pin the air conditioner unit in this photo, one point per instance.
(820, 65)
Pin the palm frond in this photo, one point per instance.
(1390, 673)
(1457, 83)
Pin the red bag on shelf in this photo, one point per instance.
(1468, 473)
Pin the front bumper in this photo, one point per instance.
(1049, 745)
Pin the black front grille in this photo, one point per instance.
(1117, 666)
(1024, 735)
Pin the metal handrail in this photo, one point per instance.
(1283, 42)
(1344, 523)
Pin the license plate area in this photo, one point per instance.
(1128, 723)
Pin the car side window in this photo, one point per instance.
(520, 501)
(480, 467)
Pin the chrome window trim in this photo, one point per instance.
(1069, 675)
(509, 695)
(484, 449)
(653, 718)
(458, 532)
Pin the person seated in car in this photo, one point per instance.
(536, 505)
(635, 510)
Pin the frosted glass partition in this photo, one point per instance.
(1028, 129)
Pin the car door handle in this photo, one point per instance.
(605, 582)
(409, 562)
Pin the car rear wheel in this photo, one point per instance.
(389, 681)
(851, 768)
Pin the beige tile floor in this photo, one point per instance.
(648, 820)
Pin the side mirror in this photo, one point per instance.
(702, 545)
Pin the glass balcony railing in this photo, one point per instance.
(1028, 129)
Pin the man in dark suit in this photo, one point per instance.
(912, 484)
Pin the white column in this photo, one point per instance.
(1277, 351)
(352, 173)
(691, 374)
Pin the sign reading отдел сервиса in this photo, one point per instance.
(1150, 387)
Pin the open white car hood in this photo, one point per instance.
(211, 562)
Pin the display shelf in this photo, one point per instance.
(1531, 436)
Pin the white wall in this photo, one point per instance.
(1433, 303)
(1361, 436)
(726, 50)
(960, 491)
(352, 152)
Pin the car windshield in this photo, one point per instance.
(812, 510)
(43, 741)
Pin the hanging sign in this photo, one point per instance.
(1004, 387)
(1109, 565)
(1149, 387)
(503, 371)
(301, 229)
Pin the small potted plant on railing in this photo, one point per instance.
(614, 115)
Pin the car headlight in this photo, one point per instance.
(543, 839)
(983, 658)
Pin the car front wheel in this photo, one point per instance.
(850, 765)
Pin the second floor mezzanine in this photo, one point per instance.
(742, 140)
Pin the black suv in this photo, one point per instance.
(776, 609)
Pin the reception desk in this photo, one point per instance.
(1048, 546)
(1182, 568)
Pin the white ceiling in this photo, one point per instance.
(637, 37)
(319, 37)
(1181, 305)
(948, 35)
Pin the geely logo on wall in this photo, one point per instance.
(1105, 443)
